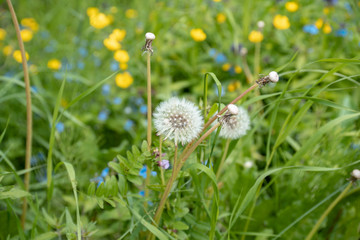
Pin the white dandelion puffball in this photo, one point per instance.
(274, 76)
(178, 119)
(261, 24)
(356, 173)
(235, 126)
(233, 109)
(150, 36)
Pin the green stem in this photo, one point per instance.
(248, 74)
(28, 110)
(327, 211)
(257, 59)
(148, 170)
(227, 144)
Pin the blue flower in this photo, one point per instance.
(212, 52)
(139, 101)
(44, 34)
(80, 65)
(128, 125)
(105, 89)
(142, 172)
(83, 51)
(341, 32)
(103, 115)
(142, 193)
(60, 127)
(114, 66)
(9, 74)
(311, 28)
(117, 100)
(143, 109)
(105, 172)
(34, 89)
(220, 58)
(38, 161)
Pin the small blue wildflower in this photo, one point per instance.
(105, 172)
(103, 115)
(44, 34)
(114, 66)
(83, 51)
(150, 203)
(58, 75)
(342, 32)
(220, 58)
(139, 101)
(142, 172)
(49, 49)
(97, 44)
(128, 125)
(311, 28)
(80, 65)
(142, 193)
(212, 52)
(143, 109)
(105, 90)
(153, 173)
(117, 101)
(97, 61)
(34, 89)
(76, 39)
(9, 74)
(60, 127)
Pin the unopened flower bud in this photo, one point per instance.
(356, 174)
(149, 36)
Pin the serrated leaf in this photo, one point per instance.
(91, 189)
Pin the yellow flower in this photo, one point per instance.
(17, 56)
(121, 56)
(111, 44)
(30, 23)
(326, 10)
(124, 80)
(216, 0)
(292, 6)
(226, 67)
(26, 35)
(92, 11)
(198, 34)
(319, 23)
(256, 36)
(100, 20)
(281, 22)
(7, 50)
(118, 34)
(231, 87)
(123, 66)
(131, 13)
(54, 64)
(2, 34)
(220, 18)
(237, 69)
(237, 84)
(327, 28)
(64, 102)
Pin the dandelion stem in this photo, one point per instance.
(148, 170)
(28, 110)
(328, 210)
(227, 144)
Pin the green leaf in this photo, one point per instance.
(100, 190)
(116, 167)
(180, 226)
(47, 236)
(49, 220)
(91, 189)
(135, 179)
(13, 193)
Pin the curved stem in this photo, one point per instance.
(148, 170)
(327, 211)
(28, 110)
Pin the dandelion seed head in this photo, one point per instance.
(274, 77)
(261, 24)
(178, 119)
(150, 36)
(235, 126)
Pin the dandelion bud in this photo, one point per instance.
(234, 126)
(274, 77)
(261, 24)
(355, 174)
(233, 109)
(149, 38)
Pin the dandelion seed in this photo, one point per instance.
(178, 119)
(235, 123)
